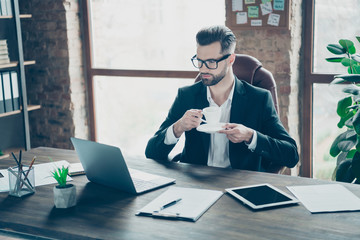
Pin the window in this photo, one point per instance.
(140, 55)
(325, 23)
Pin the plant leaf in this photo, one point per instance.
(342, 107)
(355, 165)
(343, 172)
(348, 45)
(352, 49)
(337, 80)
(356, 69)
(351, 154)
(356, 57)
(335, 149)
(342, 157)
(358, 38)
(347, 145)
(336, 49)
(343, 120)
(348, 77)
(348, 62)
(356, 122)
(334, 59)
(352, 89)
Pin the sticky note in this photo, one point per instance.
(237, 5)
(253, 11)
(241, 17)
(256, 22)
(274, 19)
(266, 8)
(279, 5)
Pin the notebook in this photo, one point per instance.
(104, 164)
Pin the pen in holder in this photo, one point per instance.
(21, 181)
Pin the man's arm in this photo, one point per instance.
(273, 142)
(179, 120)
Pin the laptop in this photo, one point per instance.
(105, 165)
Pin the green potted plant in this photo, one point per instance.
(346, 146)
(64, 194)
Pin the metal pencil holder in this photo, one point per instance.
(21, 181)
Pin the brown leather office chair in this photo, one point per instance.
(251, 70)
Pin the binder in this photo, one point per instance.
(7, 91)
(187, 204)
(2, 104)
(3, 8)
(8, 6)
(15, 90)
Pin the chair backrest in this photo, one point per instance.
(250, 69)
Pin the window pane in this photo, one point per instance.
(130, 110)
(325, 128)
(334, 20)
(150, 34)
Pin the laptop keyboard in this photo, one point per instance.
(141, 185)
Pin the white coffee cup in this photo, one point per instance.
(212, 114)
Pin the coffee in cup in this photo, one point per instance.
(212, 114)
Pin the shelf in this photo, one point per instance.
(21, 16)
(14, 64)
(30, 108)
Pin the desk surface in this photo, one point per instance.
(104, 213)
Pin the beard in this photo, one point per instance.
(214, 79)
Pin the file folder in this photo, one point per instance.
(2, 104)
(15, 90)
(194, 203)
(7, 91)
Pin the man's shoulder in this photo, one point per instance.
(251, 89)
(195, 87)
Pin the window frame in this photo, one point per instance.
(310, 78)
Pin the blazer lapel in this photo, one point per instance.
(202, 103)
(238, 103)
(237, 114)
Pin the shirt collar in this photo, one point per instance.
(229, 99)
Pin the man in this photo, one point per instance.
(252, 139)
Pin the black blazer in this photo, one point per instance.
(252, 107)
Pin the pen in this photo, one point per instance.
(170, 204)
(17, 163)
(29, 169)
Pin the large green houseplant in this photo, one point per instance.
(346, 146)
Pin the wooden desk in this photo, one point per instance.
(104, 213)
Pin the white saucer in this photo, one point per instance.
(210, 128)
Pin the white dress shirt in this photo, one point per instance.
(219, 144)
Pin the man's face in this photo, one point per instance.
(211, 77)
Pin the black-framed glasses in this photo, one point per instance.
(210, 63)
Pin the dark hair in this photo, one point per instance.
(220, 34)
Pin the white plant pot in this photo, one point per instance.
(65, 197)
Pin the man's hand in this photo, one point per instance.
(237, 133)
(190, 120)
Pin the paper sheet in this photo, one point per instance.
(253, 11)
(237, 5)
(279, 5)
(241, 17)
(266, 8)
(274, 19)
(42, 174)
(326, 198)
(193, 204)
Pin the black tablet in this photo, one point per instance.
(261, 196)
